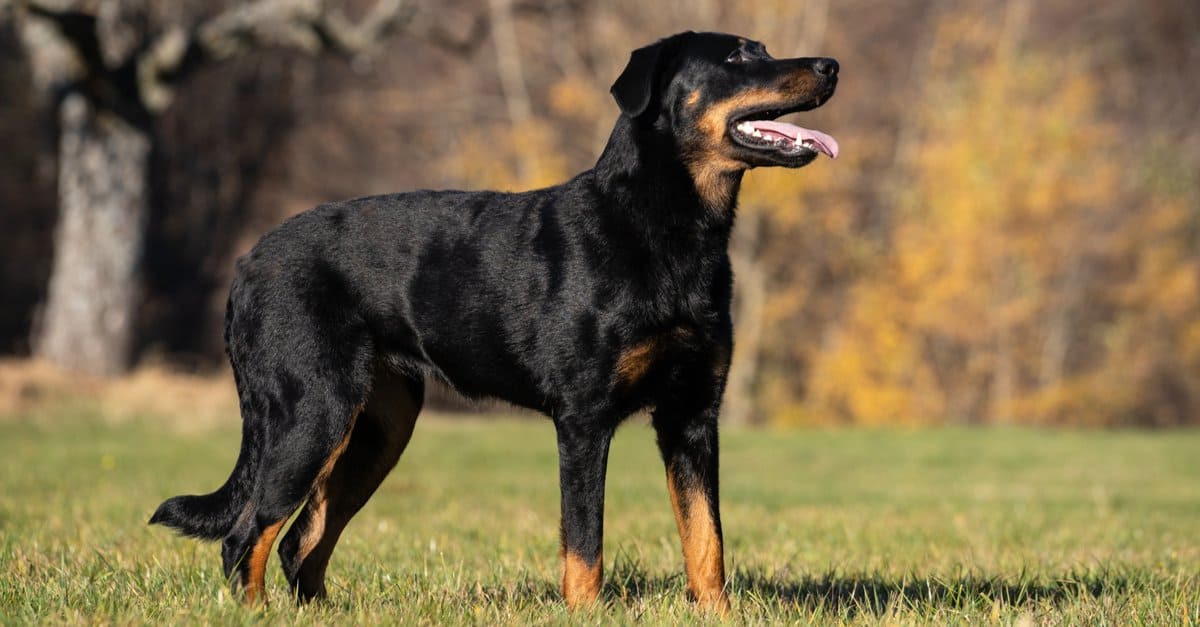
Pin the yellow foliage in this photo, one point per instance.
(961, 318)
(576, 98)
(512, 157)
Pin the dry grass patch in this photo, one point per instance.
(33, 389)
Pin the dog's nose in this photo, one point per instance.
(826, 67)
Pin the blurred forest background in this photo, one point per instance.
(1012, 233)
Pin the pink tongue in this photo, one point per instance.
(825, 143)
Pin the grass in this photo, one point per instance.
(928, 526)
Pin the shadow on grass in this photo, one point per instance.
(842, 594)
(848, 594)
(851, 594)
(875, 594)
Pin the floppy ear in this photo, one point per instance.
(634, 88)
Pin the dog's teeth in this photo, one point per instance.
(757, 133)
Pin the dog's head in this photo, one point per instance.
(719, 96)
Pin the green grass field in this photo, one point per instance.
(938, 526)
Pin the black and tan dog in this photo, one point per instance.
(586, 301)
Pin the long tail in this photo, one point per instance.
(211, 516)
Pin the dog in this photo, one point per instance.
(587, 301)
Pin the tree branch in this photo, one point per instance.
(461, 44)
(310, 26)
(78, 31)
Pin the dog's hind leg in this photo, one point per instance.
(309, 418)
(379, 436)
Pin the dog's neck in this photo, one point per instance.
(641, 168)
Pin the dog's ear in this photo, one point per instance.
(634, 88)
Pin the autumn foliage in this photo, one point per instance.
(1032, 269)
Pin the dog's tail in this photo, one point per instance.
(211, 516)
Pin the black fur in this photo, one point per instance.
(585, 301)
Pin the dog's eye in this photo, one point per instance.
(738, 56)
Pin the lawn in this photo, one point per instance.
(939, 526)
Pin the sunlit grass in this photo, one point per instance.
(821, 526)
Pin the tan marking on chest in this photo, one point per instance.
(635, 361)
(716, 180)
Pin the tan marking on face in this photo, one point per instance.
(580, 580)
(693, 99)
(711, 168)
(320, 495)
(703, 555)
(257, 564)
(714, 121)
(786, 91)
(710, 164)
(799, 84)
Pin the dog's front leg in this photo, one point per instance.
(582, 462)
(688, 442)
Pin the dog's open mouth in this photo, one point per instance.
(783, 137)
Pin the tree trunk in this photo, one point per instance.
(88, 321)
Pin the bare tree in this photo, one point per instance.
(110, 67)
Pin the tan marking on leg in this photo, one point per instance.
(581, 581)
(703, 556)
(316, 527)
(346, 488)
(256, 567)
(320, 496)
